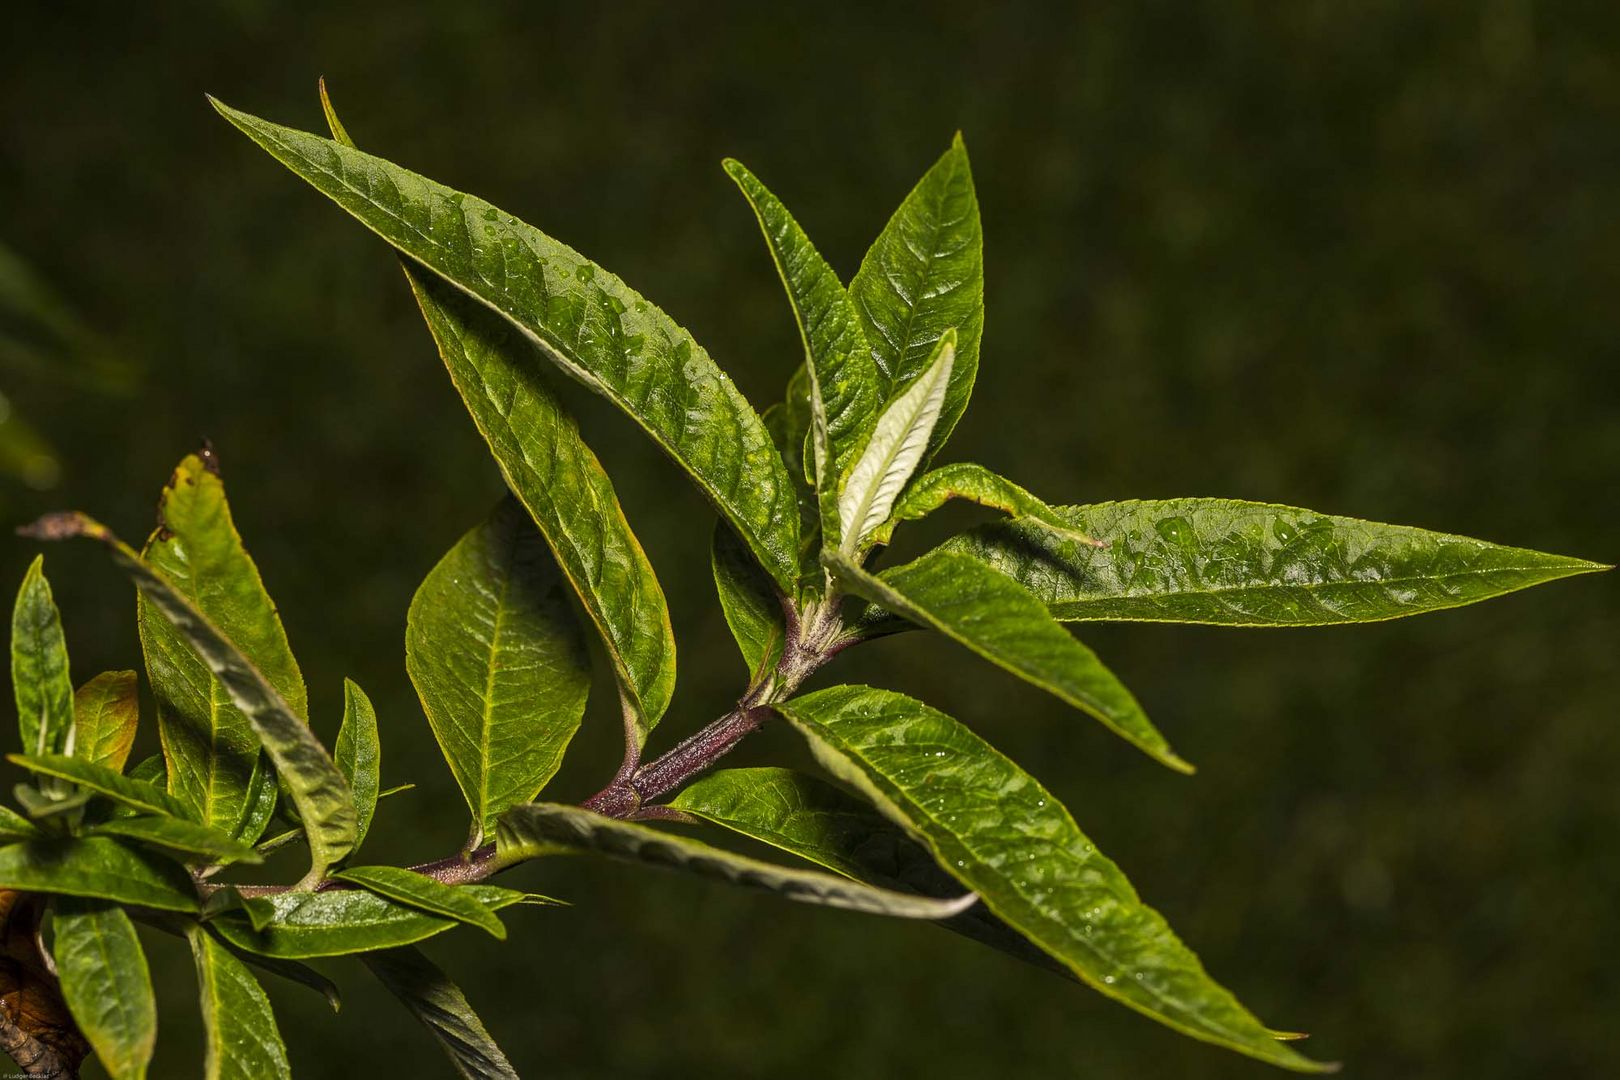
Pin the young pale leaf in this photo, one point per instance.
(39, 666)
(844, 383)
(97, 867)
(753, 610)
(999, 619)
(818, 822)
(136, 794)
(215, 764)
(1230, 563)
(417, 891)
(443, 1009)
(975, 483)
(895, 449)
(499, 662)
(106, 983)
(922, 276)
(543, 828)
(106, 711)
(13, 826)
(997, 831)
(358, 755)
(243, 1040)
(318, 789)
(335, 922)
(598, 329)
(184, 840)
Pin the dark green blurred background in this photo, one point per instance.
(1356, 257)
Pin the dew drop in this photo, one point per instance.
(1283, 530)
(1177, 530)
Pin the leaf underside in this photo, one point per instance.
(443, 1009)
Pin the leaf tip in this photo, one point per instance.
(60, 525)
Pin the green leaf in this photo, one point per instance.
(845, 392)
(975, 483)
(922, 276)
(318, 789)
(997, 831)
(748, 597)
(996, 617)
(417, 891)
(538, 829)
(499, 662)
(136, 794)
(599, 330)
(106, 983)
(358, 755)
(895, 449)
(443, 1009)
(818, 822)
(243, 1040)
(185, 840)
(13, 826)
(97, 867)
(39, 666)
(1230, 563)
(335, 922)
(215, 765)
(106, 711)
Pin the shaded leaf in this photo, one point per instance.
(358, 756)
(136, 794)
(106, 711)
(415, 890)
(184, 840)
(974, 483)
(13, 826)
(39, 666)
(748, 598)
(334, 922)
(243, 1040)
(97, 867)
(443, 1009)
(106, 983)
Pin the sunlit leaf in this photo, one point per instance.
(39, 666)
(243, 1040)
(106, 712)
(415, 890)
(106, 983)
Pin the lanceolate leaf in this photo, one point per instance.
(844, 383)
(443, 1009)
(993, 615)
(39, 666)
(13, 826)
(106, 711)
(97, 867)
(414, 890)
(895, 449)
(318, 789)
(106, 983)
(335, 922)
(136, 794)
(595, 327)
(243, 1040)
(498, 660)
(544, 828)
(358, 755)
(924, 275)
(184, 840)
(975, 483)
(1231, 563)
(752, 609)
(997, 831)
(215, 765)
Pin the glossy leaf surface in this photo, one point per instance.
(106, 983)
(499, 662)
(748, 599)
(414, 890)
(334, 922)
(39, 666)
(358, 756)
(135, 794)
(243, 1040)
(438, 1002)
(106, 712)
(99, 868)
(598, 329)
(1230, 563)
(998, 832)
(993, 615)
(184, 840)
(546, 828)
(974, 483)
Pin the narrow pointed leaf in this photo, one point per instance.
(106, 711)
(924, 275)
(106, 983)
(586, 320)
(414, 890)
(999, 619)
(243, 1040)
(14, 827)
(39, 666)
(183, 840)
(993, 828)
(358, 755)
(335, 922)
(438, 1002)
(544, 828)
(498, 660)
(97, 867)
(136, 794)
(845, 391)
(317, 787)
(748, 598)
(214, 758)
(1229, 563)
(975, 483)
(894, 450)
